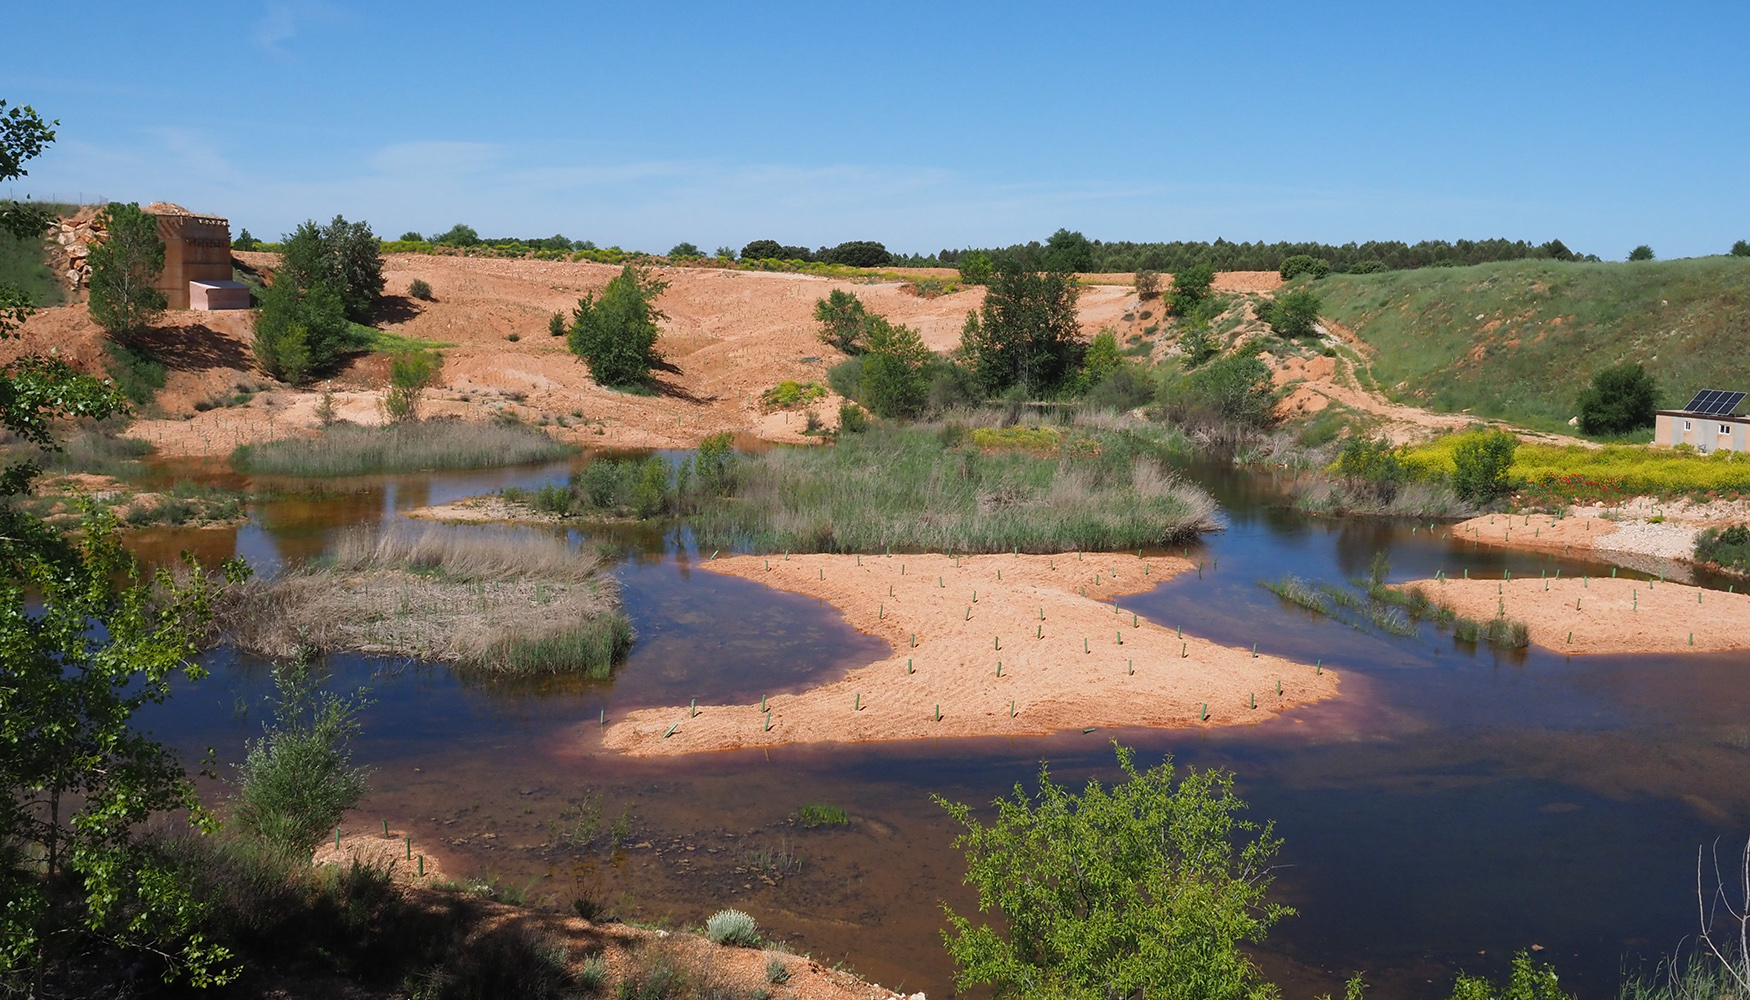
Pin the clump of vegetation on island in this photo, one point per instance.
(409, 446)
(490, 602)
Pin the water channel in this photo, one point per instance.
(1453, 806)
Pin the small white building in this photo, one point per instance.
(1706, 424)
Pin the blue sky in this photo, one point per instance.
(920, 125)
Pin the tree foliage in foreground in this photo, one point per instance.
(614, 332)
(85, 642)
(1146, 888)
(23, 135)
(346, 257)
(125, 269)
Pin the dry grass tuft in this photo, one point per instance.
(498, 602)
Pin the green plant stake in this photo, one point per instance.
(693, 709)
(1085, 648)
(386, 822)
(857, 706)
(1088, 730)
(880, 612)
(1130, 666)
(908, 665)
(969, 612)
(914, 640)
(1011, 708)
(1279, 687)
(762, 702)
(715, 551)
(1252, 701)
(938, 711)
(1570, 637)
(1254, 650)
(1204, 716)
(768, 722)
(823, 572)
(410, 847)
(422, 866)
(1133, 622)
(1120, 638)
(996, 642)
(999, 668)
(1692, 638)
(1183, 650)
(1319, 667)
(1181, 634)
(1039, 632)
(337, 838)
(975, 597)
(671, 730)
(604, 718)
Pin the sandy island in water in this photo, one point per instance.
(1068, 661)
(1605, 614)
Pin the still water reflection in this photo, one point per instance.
(1453, 806)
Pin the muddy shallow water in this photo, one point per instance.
(1452, 806)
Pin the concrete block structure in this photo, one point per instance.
(197, 248)
(1707, 424)
(218, 295)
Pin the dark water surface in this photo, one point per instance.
(1453, 806)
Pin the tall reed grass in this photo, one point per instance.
(495, 602)
(413, 446)
(936, 488)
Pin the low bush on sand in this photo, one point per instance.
(495, 602)
(415, 446)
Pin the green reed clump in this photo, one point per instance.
(915, 487)
(410, 446)
(818, 814)
(592, 649)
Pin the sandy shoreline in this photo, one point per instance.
(1605, 614)
(1067, 660)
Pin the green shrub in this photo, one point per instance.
(841, 316)
(732, 927)
(1621, 398)
(123, 269)
(818, 814)
(556, 325)
(245, 242)
(1124, 389)
(137, 372)
(300, 333)
(1729, 547)
(1642, 252)
(1148, 284)
(1373, 467)
(1480, 466)
(1101, 359)
(346, 257)
(846, 377)
(1026, 333)
(1237, 389)
(763, 250)
(1154, 884)
(1300, 264)
(975, 267)
(1294, 314)
(410, 373)
(1741, 248)
(297, 780)
(1198, 345)
(777, 971)
(791, 393)
(1191, 285)
(858, 253)
(459, 235)
(420, 289)
(1527, 981)
(852, 419)
(683, 250)
(615, 332)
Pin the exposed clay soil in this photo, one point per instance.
(1645, 533)
(729, 335)
(1091, 667)
(624, 948)
(1605, 614)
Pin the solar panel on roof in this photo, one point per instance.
(1715, 402)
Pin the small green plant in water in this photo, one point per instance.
(818, 814)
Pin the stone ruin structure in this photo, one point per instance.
(197, 256)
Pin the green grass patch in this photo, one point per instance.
(921, 488)
(372, 339)
(1017, 437)
(590, 649)
(352, 450)
(24, 265)
(791, 393)
(1519, 340)
(818, 814)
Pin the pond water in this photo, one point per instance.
(1453, 806)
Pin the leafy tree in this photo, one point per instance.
(975, 267)
(1137, 890)
(345, 256)
(1642, 252)
(411, 237)
(615, 332)
(1300, 264)
(1191, 286)
(715, 464)
(1621, 398)
(858, 253)
(895, 381)
(1101, 359)
(1026, 333)
(124, 268)
(763, 250)
(297, 780)
(1741, 248)
(556, 325)
(85, 642)
(245, 242)
(684, 250)
(299, 332)
(1148, 284)
(410, 374)
(1295, 314)
(458, 235)
(841, 317)
(1480, 466)
(1068, 252)
(725, 253)
(23, 136)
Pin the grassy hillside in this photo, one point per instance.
(22, 265)
(1519, 340)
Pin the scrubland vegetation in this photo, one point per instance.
(351, 450)
(490, 602)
